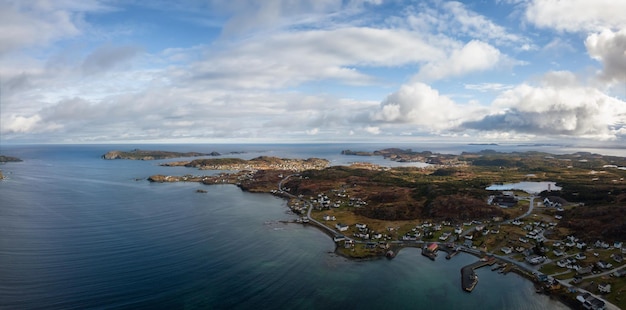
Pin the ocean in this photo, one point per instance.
(80, 232)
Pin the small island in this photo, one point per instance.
(7, 159)
(561, 236)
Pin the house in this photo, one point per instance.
(504, 201)
(342, 227)
(558, 252)
(433, 247)
(458, 230)
(617, 245)
(338, 238)
(581, 245)
(604, 288)
(535, 259)
(328, 218)
(584, 270)
(604, 265)
(601, 244)
(506, 250)
(580, 256)
(444, 236)
(619, 273)
(618, 258)
(590, 302)
(361, 226)
(554, 202)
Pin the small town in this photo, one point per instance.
(514, 230)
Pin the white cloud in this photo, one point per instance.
(373, 130)
(451, 17)
(488, 87)
(21, 124)
(475, 56)
(577, 15)
(559, 107)
(609, 48)
(420, 105)
(287, 59)
(478, 26)
(26, 24)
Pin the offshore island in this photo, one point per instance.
(555, 219)
(7, 159)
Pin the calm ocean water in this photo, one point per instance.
(80, 232)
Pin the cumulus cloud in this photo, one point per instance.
(558, 107)
(577, 15)
(422, 106)
(609, 48)
(473, 57)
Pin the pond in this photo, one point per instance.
(529, 187)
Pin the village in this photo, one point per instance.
(531, 244)
(372, 211)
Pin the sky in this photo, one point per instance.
(302, 71)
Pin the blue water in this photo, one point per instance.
(79, 232)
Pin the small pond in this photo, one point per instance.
(529, 187)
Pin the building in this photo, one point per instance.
(342, 227)
(590, 302)
(604, 288)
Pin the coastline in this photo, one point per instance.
(373, 249)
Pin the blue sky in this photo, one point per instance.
(94, 71)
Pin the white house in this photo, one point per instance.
(604, 288)
(342, 227)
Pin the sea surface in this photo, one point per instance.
(80, 232)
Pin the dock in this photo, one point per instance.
(469, 279)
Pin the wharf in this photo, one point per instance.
(469, 279)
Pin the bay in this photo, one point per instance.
(79, 232)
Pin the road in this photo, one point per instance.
(307, 204)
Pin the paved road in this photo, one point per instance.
(530, 208)
(308, 205)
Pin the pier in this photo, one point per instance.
(469, 279)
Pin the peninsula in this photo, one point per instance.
(564, 235)
(137, 154)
